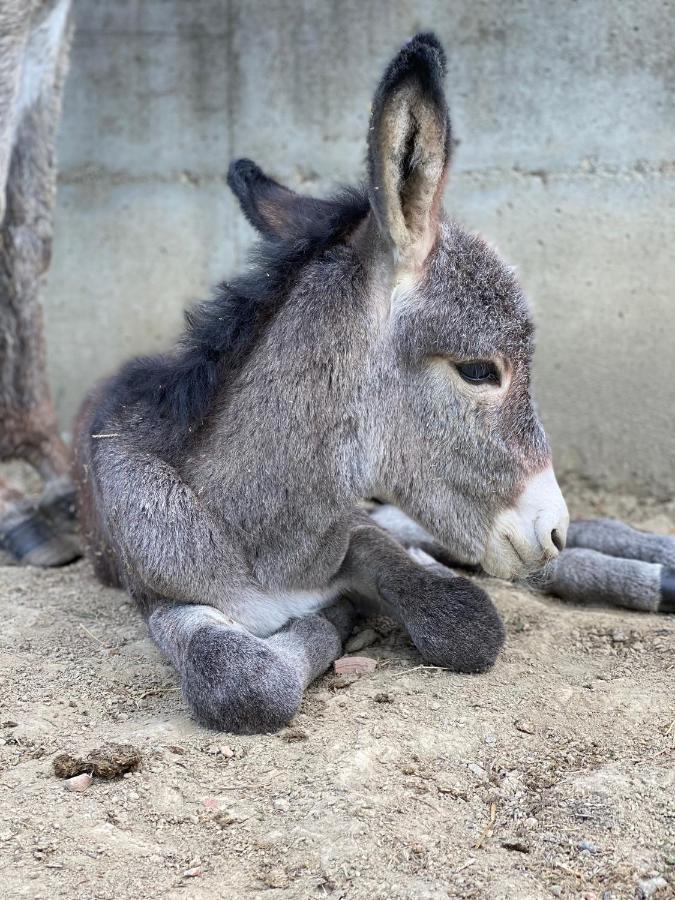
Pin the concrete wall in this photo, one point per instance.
(565, 112)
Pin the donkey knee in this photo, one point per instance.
(234, 682)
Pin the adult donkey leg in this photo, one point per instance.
(29, 425)
(451, 621)
(27, 536)
(235, 681)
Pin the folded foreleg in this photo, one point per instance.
(235, 681)
(618, 539)
(451, 620)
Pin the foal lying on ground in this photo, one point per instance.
(604, 562)
(378, 351)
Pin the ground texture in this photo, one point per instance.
(551, 776)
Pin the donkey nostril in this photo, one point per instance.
(557, 540)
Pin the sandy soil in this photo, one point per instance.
(552, 776)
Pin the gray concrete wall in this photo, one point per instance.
(565, 112)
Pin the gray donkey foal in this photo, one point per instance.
(376, 351)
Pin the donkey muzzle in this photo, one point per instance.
(530, 533)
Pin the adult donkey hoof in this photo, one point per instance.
(667, 602)
(57, 503)
(32, 541)
(234, 682)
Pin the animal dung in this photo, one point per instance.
(79, 783)
(354, 665)
(109, 761)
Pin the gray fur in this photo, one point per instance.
(618, 539)
(34, 44)
(235, 681)
(235, 540)
(632, 578)
(587, 576)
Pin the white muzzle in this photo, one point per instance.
(531, 533)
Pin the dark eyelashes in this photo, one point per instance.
(479, 372)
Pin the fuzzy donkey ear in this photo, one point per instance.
(409, 149)
(273, 210)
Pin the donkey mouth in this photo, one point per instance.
(524, 562)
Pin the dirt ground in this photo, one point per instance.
(551, 776)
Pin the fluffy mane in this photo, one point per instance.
(220, 333)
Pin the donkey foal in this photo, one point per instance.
(375, 350)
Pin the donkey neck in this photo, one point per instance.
(293, 425)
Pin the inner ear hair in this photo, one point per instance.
(409, 149)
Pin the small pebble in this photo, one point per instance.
(355, 665)
(588, 846)
(525, 726)
(79, 783)
(361, 640)
(192, 873)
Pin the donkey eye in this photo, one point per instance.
(479, 372)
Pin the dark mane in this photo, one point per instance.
(179, 387)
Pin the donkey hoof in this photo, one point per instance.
(233, 683)
(57, 503)
(667, 603)
(32, 541)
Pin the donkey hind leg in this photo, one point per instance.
(30, 429)
(618, 539)
(451, 620)
(235, 681)
(609, 562)
(587, 576)
(27, 536)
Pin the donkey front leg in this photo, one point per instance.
(452, 622)
(235, 681)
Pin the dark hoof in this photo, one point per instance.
(57, 504)
(32, 541)
(667, 603)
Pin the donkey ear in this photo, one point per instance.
(273, 210)
(409, 149)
